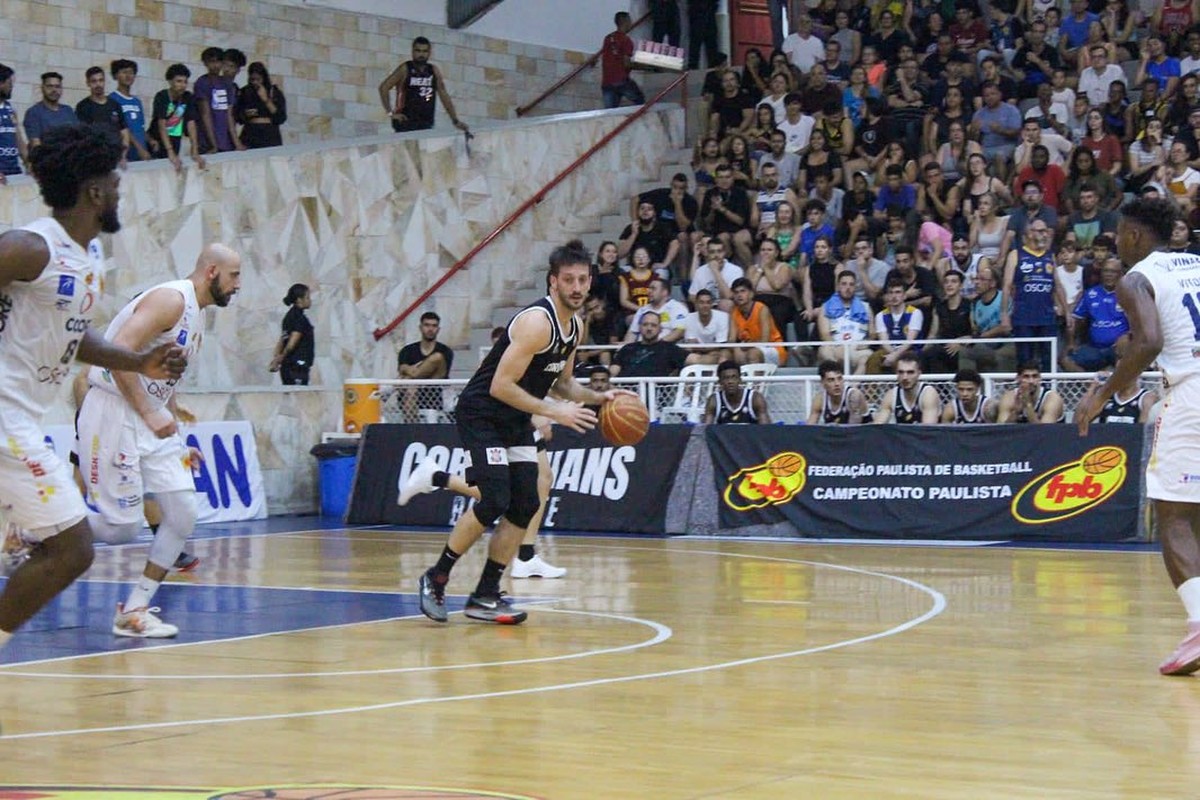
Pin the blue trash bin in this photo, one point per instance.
(335, 470)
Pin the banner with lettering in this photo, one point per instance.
(229, 483)
(931, 482)
(597, 486)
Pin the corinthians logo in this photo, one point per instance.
(774, 482)
(1072, 488)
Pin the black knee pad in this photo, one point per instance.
(495, 497)
(523, 491)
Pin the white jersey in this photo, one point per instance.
(1176, 281)
(186, 333)
(43, 320)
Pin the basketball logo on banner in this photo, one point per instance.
(774, 482)
(1071, 488)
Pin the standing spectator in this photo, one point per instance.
(1101, 328)
(616, 63)
(725, 214)
(13, 152)
(215, 99)
(48, 114)
(706, 326)
(124, 72)
(263, 109)
(751, 323)
(174, 116)
(664, 21)
(418, 84)
(232, 62)
(802, 47)
(650, 356)
(101, 110)
(426, 359)
(295, 350)
(702, 32)
(1030, 280)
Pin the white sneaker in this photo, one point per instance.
(420, 481)
(141, 623)
(536, 567)
(15, 550)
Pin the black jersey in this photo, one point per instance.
(839, 415)
(906, 414)
(420, 94)
(1128, 412)
(544, 369)
(960, 413)
(742, 414)
(1042, 392)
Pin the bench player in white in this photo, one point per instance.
(51, 278)
(129, 442)
(1161, 297)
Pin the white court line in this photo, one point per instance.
(781, 602)
(939, 605)
(661, 634)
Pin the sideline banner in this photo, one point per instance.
(229, 484)
(943, 482)
(597, 486)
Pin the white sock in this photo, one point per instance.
(1189, 593)
(142, 594)
(4, 637)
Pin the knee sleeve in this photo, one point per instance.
(494, 494)
(178, 522)
(523, 489)
(113, 533)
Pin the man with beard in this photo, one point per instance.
(912, 402)
(418, 85)
(648, 231)
(963, 260)
(536, 355)
(425, 360)
(129, 433)
(13, 152)
(50, 276)
(48, 114)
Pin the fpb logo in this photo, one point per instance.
(1072, 488)
(774, 482)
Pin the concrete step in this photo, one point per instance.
(527, 296)
(502, 314)
(592, 241)
(480, 337)
(612, 224)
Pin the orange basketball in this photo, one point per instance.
(785, 465)
(625, 420)
(1102, 460)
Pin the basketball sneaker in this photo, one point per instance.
(493, 609)
(536, 567)
(15, 550)
(141, 623)
(432, 596)
(1186, 658)
(420, 481)
(186, 562)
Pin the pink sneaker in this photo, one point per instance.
(1186, 658)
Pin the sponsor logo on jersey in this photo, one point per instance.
(66, 285)
(1072, 488)
(181, 340)
(773, 482)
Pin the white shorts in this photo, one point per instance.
(770, 355)
(1173, 472)
(36, 487)
(121, 459)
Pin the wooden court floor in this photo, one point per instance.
(658, 668)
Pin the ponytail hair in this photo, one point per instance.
(297, 291)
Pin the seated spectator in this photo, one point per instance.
(707, 326)
(827, 191)
(895, 192)
(426, 359)
(898, 324)
(672, 314)
(838, 403)
(124, 72)
(770, 195)
(1035, 61)
(606, 278)
(649, 357)
(788, 163)
(1030, 401)
(989, 321)
(819, 156)
(635, 284)
(1101, 329)
(603, 328)
(1178, 176)
(803, 49)
(871, 139)
(1145, 156)
(796, 125)
(858, 210)
(1032, 209)
(908, 98)
(895, 154)
(49, 113)
(951, 320)
(263, 108)
(970, 406)
(961, 259)
(174, 117)
(725, 214)
(732, 109)
(1083, 170)
(734, 403)
(813, 228)
(676, 209)
(845, 322)
(716, 274)
(751, 323)
(1049, 114)
(774, 283)
(920, 285)
(1090, 220)
(1041, 171)
(786, 231)
(648, 231)
(1100, 74)
(216, 97)
(998, 125)
(1158, 65)
(912, 402)
(870, 273)
(937, 198)
(1130, 407)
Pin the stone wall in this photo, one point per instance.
(329, 62)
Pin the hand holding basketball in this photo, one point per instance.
(624, 419)
(574, 416)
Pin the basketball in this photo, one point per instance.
(785, 465)
(1101, 460)
(625, 420)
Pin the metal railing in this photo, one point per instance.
(537, 198)
(572, 75)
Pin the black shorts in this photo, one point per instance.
(493, 442)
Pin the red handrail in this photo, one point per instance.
(591, 62)
(538, 197)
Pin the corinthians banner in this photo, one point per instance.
(943, 482)
(597, 486)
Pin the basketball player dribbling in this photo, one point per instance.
(51, 276)
(1161, 297)
(535, 356)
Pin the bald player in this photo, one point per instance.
(129, 442)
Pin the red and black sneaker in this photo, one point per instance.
(493, 609)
